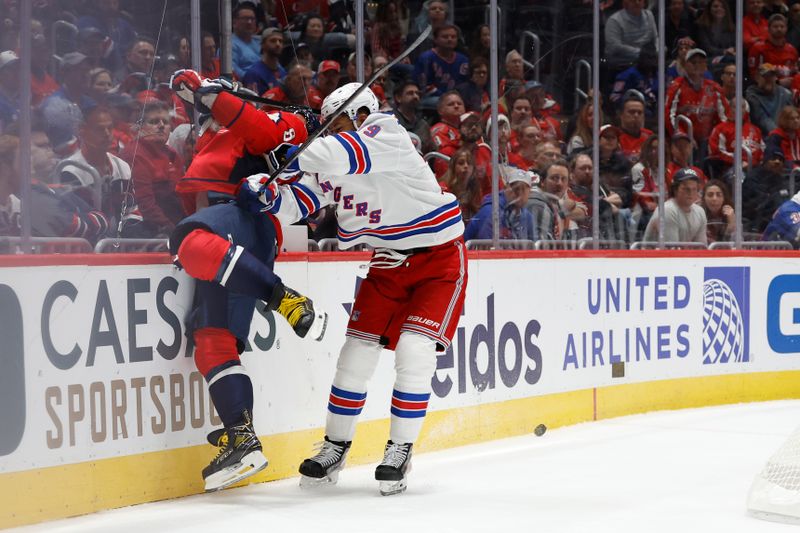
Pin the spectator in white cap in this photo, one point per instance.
(267, 73)
(9, 88)
(516, 222)
(684, 219)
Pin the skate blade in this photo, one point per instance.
(388, 488)
(307, 482)
(251, 464)
(318, 327)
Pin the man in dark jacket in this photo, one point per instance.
(763, 191)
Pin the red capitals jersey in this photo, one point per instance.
(784, 57)
(445, 138)
(754, 30)
(722, 139)
(705, 107)
(790, 145)
(237, 150)
(632, 146)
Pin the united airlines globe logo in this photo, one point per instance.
(723, 324)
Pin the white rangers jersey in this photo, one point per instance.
(385, 194)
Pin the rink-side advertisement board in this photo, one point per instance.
(101, 405)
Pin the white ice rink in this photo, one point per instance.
(679, 471)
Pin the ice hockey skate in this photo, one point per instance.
(324, 467)
(239, 457)
(299, 311)
(391, 473)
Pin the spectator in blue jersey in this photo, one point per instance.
(245, 45)
(268, 72)
(785, 224)
(642, 77)
(516, 222)
(442, 68)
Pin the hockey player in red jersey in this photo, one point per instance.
(230, 253)
(410, 302)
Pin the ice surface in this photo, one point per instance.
(679, 471)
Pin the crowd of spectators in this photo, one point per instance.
(110, 140)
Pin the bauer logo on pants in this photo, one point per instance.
(726, 315)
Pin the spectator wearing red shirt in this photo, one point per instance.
(209, 63)
(156, 169)
(631, 121)
(697, 98)
(542, 109)
(525, 154)
(754, 25)
(680, 152)
(445, 133)
(723, 139)
(520, 117)
(471, 134)
(775, 50)
(328, 75)
(295, 88)
(42, 83)
(785, 137)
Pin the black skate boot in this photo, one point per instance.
(299, 311)
(324, 467)
(391, 473)
(240, 455)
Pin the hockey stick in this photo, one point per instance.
(377, 74)
(267, 101)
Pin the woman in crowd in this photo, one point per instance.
(583, 129)
(716, 31)
(387, 35)
(645, 186)
(461, 180)
(720, 216)
(100, 83)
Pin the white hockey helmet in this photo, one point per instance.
(334, 100)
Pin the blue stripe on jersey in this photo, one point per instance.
(412, 225)
(306, 200)
(350, 153)
(403, 234)
(367, 159)
(410, 397)
(347, 394)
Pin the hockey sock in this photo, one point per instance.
(408, 413)
(209, 257)
(356, 364)
(415, 363)
(217, 358)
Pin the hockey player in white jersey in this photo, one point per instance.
(387, 197)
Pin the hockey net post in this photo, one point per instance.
(775, 492)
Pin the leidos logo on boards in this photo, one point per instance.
(726, 315)
(783, 314)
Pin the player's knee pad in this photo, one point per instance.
(215, 351)
(207, 256)
(357, 362)
(414, 362)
